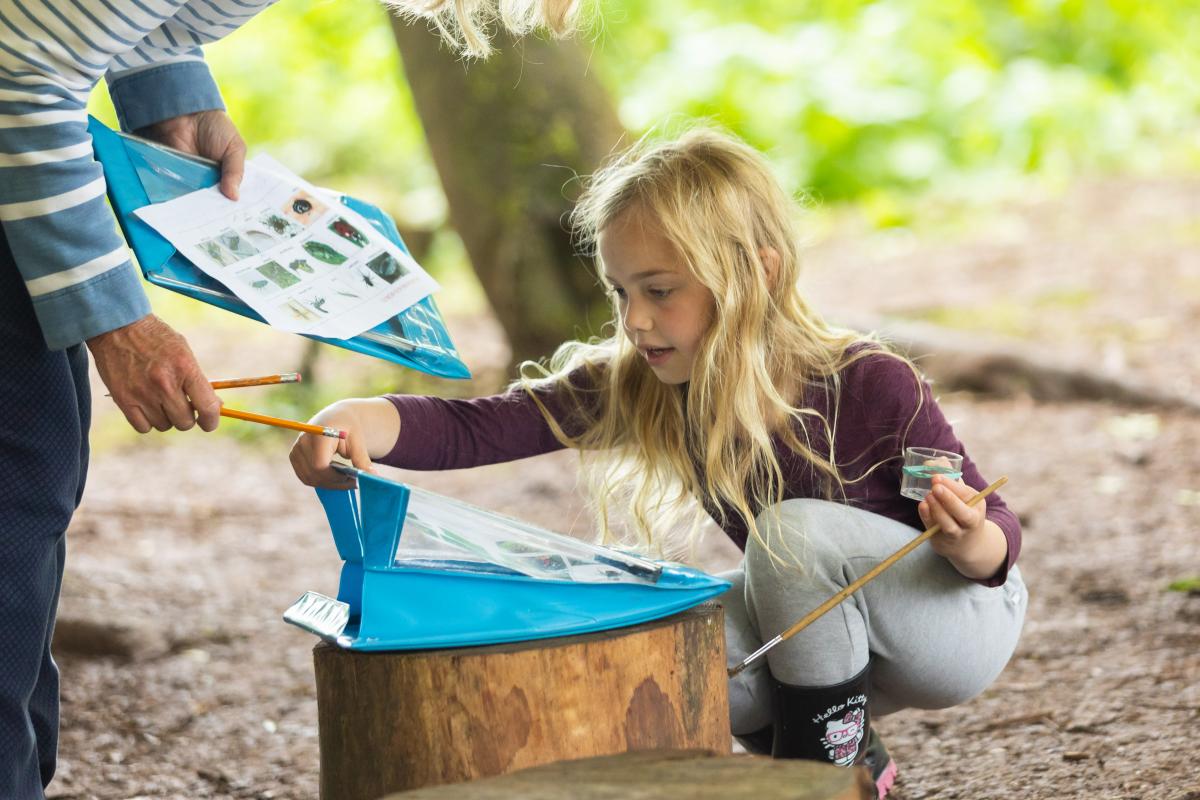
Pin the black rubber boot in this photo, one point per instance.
(758, 743)
(822, 723)
(831, 724)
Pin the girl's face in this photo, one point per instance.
(664, 311)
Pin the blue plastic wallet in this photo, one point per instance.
(426, 571)
(139, 172)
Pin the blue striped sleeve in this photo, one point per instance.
(64, 240)
(72, 259)
(146, 96)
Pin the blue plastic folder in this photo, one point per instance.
(139, 172)
(426, 571)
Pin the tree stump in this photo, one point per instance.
(665, 775)
(398, 720)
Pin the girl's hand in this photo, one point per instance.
(946, 505)
(372, 427)
(975, 546)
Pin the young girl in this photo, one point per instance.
(720, 384)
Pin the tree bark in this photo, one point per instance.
(508, 137)
(392, 721)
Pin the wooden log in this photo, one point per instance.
(987, 365)
(401, 720)
(665, 775)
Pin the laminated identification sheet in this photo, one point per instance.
(295, 255)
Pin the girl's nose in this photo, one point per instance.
(636, 319)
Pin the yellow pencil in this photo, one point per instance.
(263, 419)
(266, 380)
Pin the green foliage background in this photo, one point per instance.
(856, 102)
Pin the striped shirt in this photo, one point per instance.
(64, 240)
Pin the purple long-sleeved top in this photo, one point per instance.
(877, 401)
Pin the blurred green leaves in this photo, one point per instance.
(855, 101)
(855, 98)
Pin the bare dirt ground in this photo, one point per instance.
(181, 681)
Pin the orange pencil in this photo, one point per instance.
(250, 416)
(236, 383)
(266, 380)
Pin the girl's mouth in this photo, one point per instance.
(656, 356)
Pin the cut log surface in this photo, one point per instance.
(664, 775)
(401, 720)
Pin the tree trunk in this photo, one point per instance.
(508, 136)
(391, 721)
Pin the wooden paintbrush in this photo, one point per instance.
(854, 587)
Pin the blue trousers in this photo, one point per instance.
(45, 409)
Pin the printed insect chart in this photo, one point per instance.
(293, 253)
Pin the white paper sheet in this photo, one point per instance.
(303, 261)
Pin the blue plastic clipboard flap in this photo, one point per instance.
(139, 173)
(367, 521)
(384, 504)
(341, 509)
(436, 572)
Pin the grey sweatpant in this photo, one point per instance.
(935, 639)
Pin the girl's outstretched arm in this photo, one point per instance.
(372, 426)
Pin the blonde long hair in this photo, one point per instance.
(717, 202)
(467, 24)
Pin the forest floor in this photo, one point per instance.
(179, 679)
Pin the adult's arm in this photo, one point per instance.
(71, 257)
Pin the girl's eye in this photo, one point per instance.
(661, 294)
(618, 292)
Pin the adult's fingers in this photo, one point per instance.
(233, 167)
(175, 385)
(158, 418)
(136, 419)
(178, 410)
(204, 400)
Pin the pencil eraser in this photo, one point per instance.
(341, 434)
(299, 377)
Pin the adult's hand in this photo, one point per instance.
(154, 378)
(210, 134)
